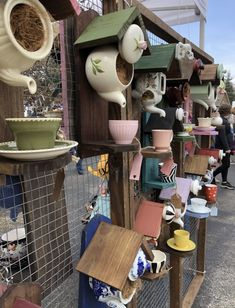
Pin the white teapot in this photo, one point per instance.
(109, 74)
(216, 119)
(171, 214)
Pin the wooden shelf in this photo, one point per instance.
(151, 276)
(151, 153)
(107, 146)
(15, 167)
(182, 254)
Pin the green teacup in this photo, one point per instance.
(34, 133)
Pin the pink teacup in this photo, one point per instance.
(162, 139)
(123, 131)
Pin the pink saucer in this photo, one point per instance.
(204, 128)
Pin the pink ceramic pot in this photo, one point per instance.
(123, 131)
(162, 139)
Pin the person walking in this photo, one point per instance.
(224, 141)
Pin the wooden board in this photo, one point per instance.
(148, 153)
(209, 73)
(28, 291)
(192, 291)
(15, 167)
(91, 114)
(149, 218)
(196, 164)
(11, 105)
(61, 9)
(110, 254)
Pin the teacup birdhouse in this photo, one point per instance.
(110, 66)
(149, 90)
(19, 50)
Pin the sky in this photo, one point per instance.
(219, 33)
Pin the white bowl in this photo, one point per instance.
(204, 122)
(198, 202)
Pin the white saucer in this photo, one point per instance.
(182, 134)
(202, 210)
(14, 235)
(204, 128)
(9, 150)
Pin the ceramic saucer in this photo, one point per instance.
(9, 150)
(202, 210)
(182, 134)
(171, 243)
(204, 128)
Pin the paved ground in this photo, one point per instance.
(218, 289)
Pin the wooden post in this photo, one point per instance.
(201, 249)
(11, 105)
(176, 279)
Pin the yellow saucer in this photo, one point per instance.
(171, 243)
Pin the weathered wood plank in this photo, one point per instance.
(120, 256)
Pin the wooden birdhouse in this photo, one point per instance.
(111, 253)
(174, 60)
(213, 73)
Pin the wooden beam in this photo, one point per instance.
(201, 249)
(158, 27)
(155, 25)
(176, 281)
(192, 291)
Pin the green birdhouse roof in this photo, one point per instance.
(110, 28)
(161, 59)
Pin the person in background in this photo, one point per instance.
(224, 141)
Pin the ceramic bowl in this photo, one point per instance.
(34, 133)
(188, 127)
(204, 122)
(123, 131)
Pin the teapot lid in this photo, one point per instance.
(132, 44)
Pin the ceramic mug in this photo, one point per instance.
(171, 177)
(210, 192)
(180, 114)
(162, 139)
(159, 261)
(139, 266)
(181, 238)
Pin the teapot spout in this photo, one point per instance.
(115, 97)
(14, 78)
(201, 102)
(153, 109)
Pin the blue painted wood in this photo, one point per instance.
(150, 169)
(86, 295)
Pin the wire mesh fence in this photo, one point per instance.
(40, 236)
